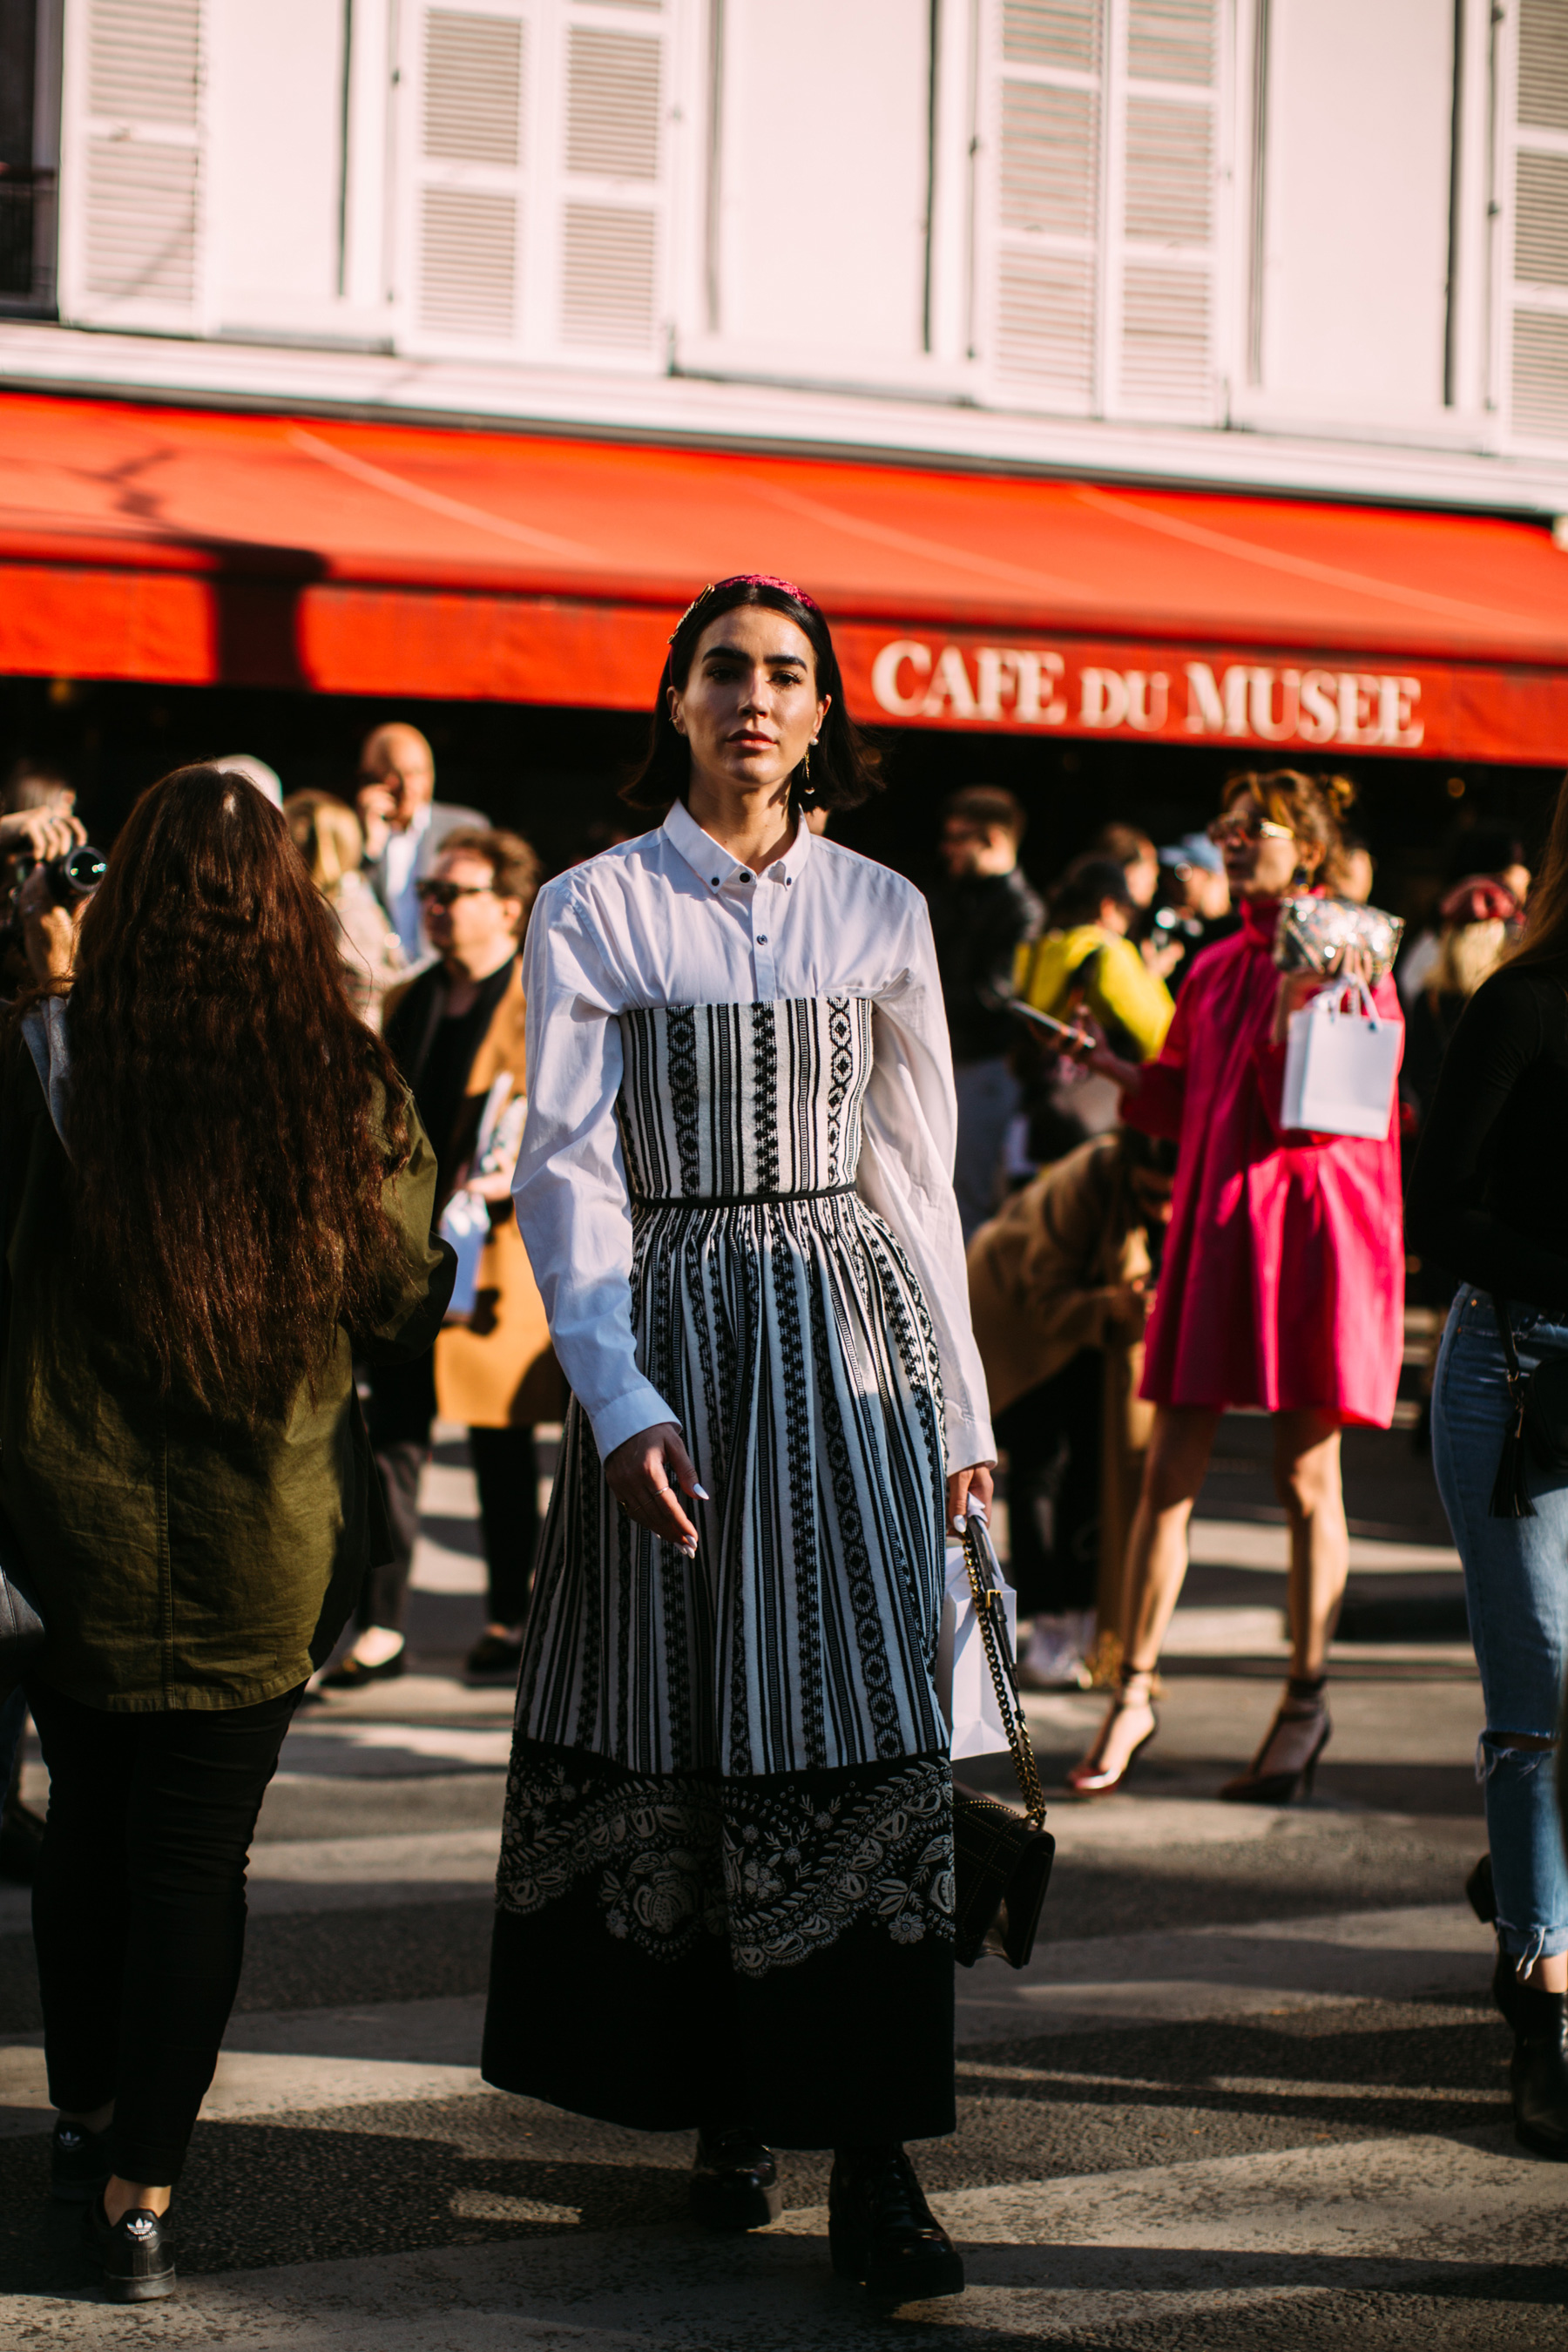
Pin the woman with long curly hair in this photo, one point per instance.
(1282, 1287)
(214, 1191)
(729, 1819)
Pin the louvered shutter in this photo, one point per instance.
(470, 112)
(132, 166)
(1165, 172)
(1045, 134)
(611, 174)
(1540, 222)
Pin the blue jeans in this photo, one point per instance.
(988, 1095)
(1516, 1590)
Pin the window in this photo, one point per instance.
(1537, 158)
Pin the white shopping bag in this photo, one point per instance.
(1340, 1066)
(466, 1224)
(964, 1683)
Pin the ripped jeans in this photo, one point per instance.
(1516, 1590)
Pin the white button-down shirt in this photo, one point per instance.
(399, 879)
(671, 919)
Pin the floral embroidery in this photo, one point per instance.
(779, 1872)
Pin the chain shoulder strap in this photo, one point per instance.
(992, 1611)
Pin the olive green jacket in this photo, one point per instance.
(178, 1561)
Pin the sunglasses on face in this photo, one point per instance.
(447, 894)
(1239, 828)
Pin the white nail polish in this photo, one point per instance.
(702, 1495)
(960, 1525)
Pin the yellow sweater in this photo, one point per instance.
(1118, 986)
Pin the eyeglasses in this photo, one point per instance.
(1237, 827)
(447, 894)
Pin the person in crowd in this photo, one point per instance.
(1129, 846)
(38, 784)
(1192, 910)
(330, 839)
(1085, 962)
(1478, 922)
(1351, 872)
(405, 823)
(199, 1233)
(1486, 1199)
(1060, 1285)
(1282, 1286)
(1492, 853)
(456, 1032)
(980, 916)
(728, 1824)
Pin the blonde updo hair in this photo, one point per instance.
(1314, 807)
(328, 836)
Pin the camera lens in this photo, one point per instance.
(81, 870)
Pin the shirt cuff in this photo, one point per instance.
(969, 1442)
(640, 1409)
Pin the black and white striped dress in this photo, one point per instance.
(725, 1888)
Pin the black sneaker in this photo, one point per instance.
(133, 2254)
(79, 2162)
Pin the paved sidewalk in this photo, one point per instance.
(1250, 2091)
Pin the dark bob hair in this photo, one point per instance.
(844, 769)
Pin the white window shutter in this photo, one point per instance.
(1046, 114)
(613, 176)
(132, 194)
(472, 73)
(1539, 192)
(1165, 159)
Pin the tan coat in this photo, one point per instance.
(1043, 1275)
(498, 1370)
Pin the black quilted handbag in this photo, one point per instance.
(21, 1626)
(1002, 1861)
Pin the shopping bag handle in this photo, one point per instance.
(1329, 996)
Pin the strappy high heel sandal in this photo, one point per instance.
(1287, 1758)
(1134, 1695)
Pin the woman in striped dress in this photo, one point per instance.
(725, 1893)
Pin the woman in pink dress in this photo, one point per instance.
(1283, 1283)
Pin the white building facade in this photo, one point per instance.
(1311, 246)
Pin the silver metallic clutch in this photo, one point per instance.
(1312, 935)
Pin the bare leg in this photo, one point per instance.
(1179, 1448)
(1307, 1481)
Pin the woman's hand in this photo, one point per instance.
(1297, 988)
(1096, 1055)
(49, 931)
(639, 1473)
(969, 1490)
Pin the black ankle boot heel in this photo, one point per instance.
(1538, 2071)
(883, 2234)
(735, 2182)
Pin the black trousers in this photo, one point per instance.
(402, 1408)
(139, 1907)
(1053, 1437)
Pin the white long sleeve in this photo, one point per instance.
(670, 919)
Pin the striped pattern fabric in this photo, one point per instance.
(789, 1336)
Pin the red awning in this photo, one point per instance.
(199, 547)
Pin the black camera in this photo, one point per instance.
(68, 880)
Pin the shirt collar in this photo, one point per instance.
(707, 860)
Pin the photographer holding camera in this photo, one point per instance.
(198, 1234)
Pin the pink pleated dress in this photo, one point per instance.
(1283, 1281)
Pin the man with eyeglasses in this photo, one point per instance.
(405, 823)
(456, 1032)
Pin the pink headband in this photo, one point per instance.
(747, 580)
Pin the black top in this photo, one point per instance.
(978, 921)
(1488, 1193)
(435, 1051)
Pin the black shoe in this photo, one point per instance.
(353, 1675)
(735, 2182)
(133, 2254)
(1538, 2071)
(496, 1653)
(21, 1842)
(881, 2232)
(1506, 1987)
(79, 2162)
